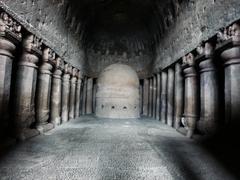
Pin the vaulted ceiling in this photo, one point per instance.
(128, 23)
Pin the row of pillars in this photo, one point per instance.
(192, 92)
(38, 90)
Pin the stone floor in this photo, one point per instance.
(90, 148)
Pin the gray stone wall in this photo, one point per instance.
(140, 62)
(197, 21)
(50, 20)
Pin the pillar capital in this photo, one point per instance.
(74, 75)
(206, 48)
(80, 75)
(33, 45)
(9, 28)
(206, 52)
(231, 54)
(189, 65)
(48, 55)
(10, 35)
(58, 66)
(31, 51)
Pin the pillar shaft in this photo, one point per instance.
(154, 95)
(145, 97)
(89, 103)
(191, 95)
(65, 93)
(170, 96)
(72, 101)
(164, 97)
(78, 94)
(209, 93)
(7, 48)
(141, 98)
(150, 104)
(44, 82)
(178, 94)
(56, 94)
(84, 97)
(231, 59)
(94, 96)
(25, 88)
(158, 96)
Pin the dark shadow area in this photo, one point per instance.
(225, 147)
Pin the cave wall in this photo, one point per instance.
(50, 20)
(140, 61)
(196, 21)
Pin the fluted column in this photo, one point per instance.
(191, 94)
(150, 104)
(89, 103)
(78, 93)
(9, 38)
(209, 110)
(73, 94)
(56, 93)
(66, 92)
(44, 82)
(158, 96)
(178, 94)
(25, 88)
(84, 97)
(145, 97)
(154, 95)
(164, 97)
(231, 57)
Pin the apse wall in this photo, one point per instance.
(52, 21)
(118, 93)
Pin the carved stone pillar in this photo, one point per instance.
(150, 104)
(25, 87)
(231, 58)
(84, 96)
(141, 98)
(73, 94)
(94, 95)
(78, 93)
(66, 92)
(178, 94)
(170, 96)
(89, 103)
(158, 96)
(56, 93)
(154, 95)
(209, 92)
(164, 97)
(44, 82)
(191, 95)
(10, 36)
(145, 97)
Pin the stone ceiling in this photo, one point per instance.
(132, 27)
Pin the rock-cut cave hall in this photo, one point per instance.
(119, 89)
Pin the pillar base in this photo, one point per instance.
(45, 127)
(190, 133)
(56, 122)
(207, 126)
(190, 125)
(27, 134)
(177, 122)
